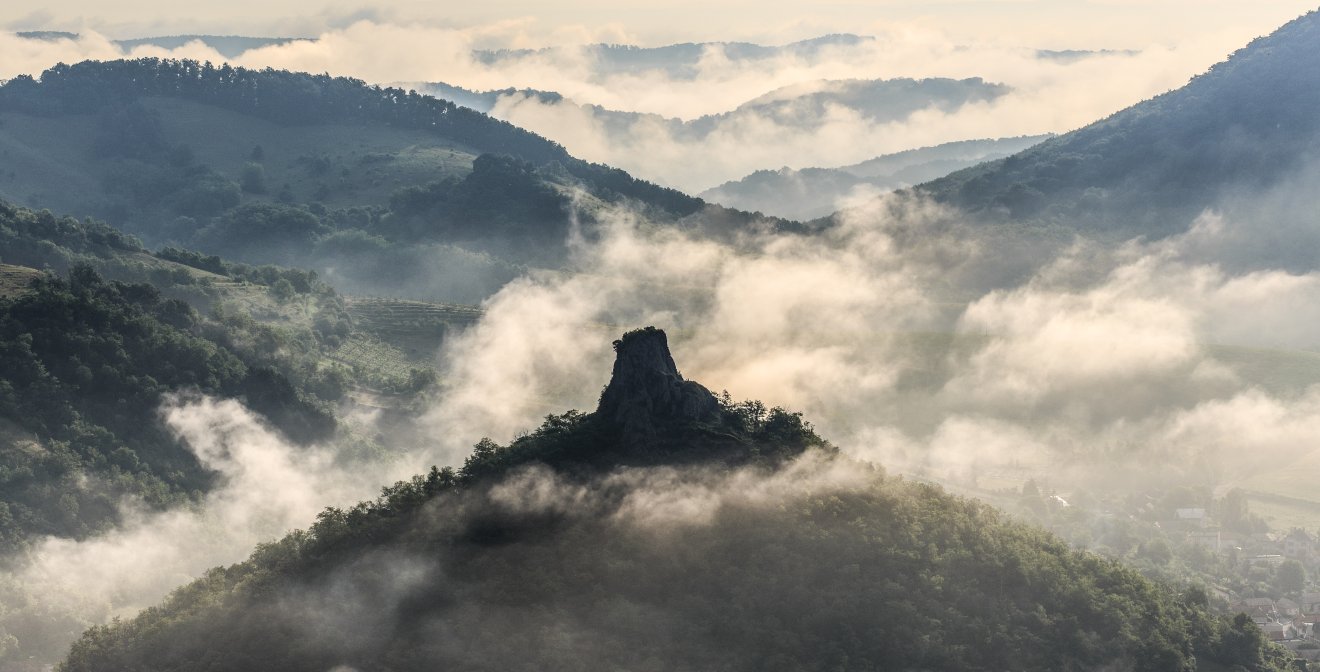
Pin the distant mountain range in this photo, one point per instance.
(676, 60)
(229, 46)
(791, 112)
(802, 106)
(810, 193)
(680, 61)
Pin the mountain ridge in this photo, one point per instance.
(1239, 128)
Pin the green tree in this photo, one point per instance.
(253, 178)
(283, 290)
(1290, 578)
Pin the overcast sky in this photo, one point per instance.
(1039, 23)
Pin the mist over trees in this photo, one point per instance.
(502, 200)
(670, 528)
(252, 310)
(88, 362)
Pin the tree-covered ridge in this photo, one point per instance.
(90, 349)
(27, 236)
(1245, 124)
(299, 98)
(85, 365)
(672, 530)
(385, 192)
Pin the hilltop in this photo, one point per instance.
(671, 528)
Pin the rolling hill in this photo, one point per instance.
(1226, 141)
(86, 362)
(384, 191)
(671, 529)
(802, 106)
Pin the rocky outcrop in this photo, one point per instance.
(646, 392)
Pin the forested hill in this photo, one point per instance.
(382, 191)
(1245, 126)
(671, 529)
(87, 362)
(298, 99)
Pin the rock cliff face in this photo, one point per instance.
(646, 391)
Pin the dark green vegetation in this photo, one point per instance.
(86, 363)
(672, 530)
(384, 191)
(90, 350)
(810, 193)
(1245, 126)
(84, 368)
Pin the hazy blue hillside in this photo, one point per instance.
(229, 46)
(810, 193)
(1224, 140)
(801, 106)
(677, 60)
(681, 60)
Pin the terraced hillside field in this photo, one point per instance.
(416, 327)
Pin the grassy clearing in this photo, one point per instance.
(15, 280)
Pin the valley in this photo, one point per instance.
(984, 354)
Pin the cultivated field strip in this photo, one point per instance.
(399, 317)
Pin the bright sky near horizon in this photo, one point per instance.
(1037, 23)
